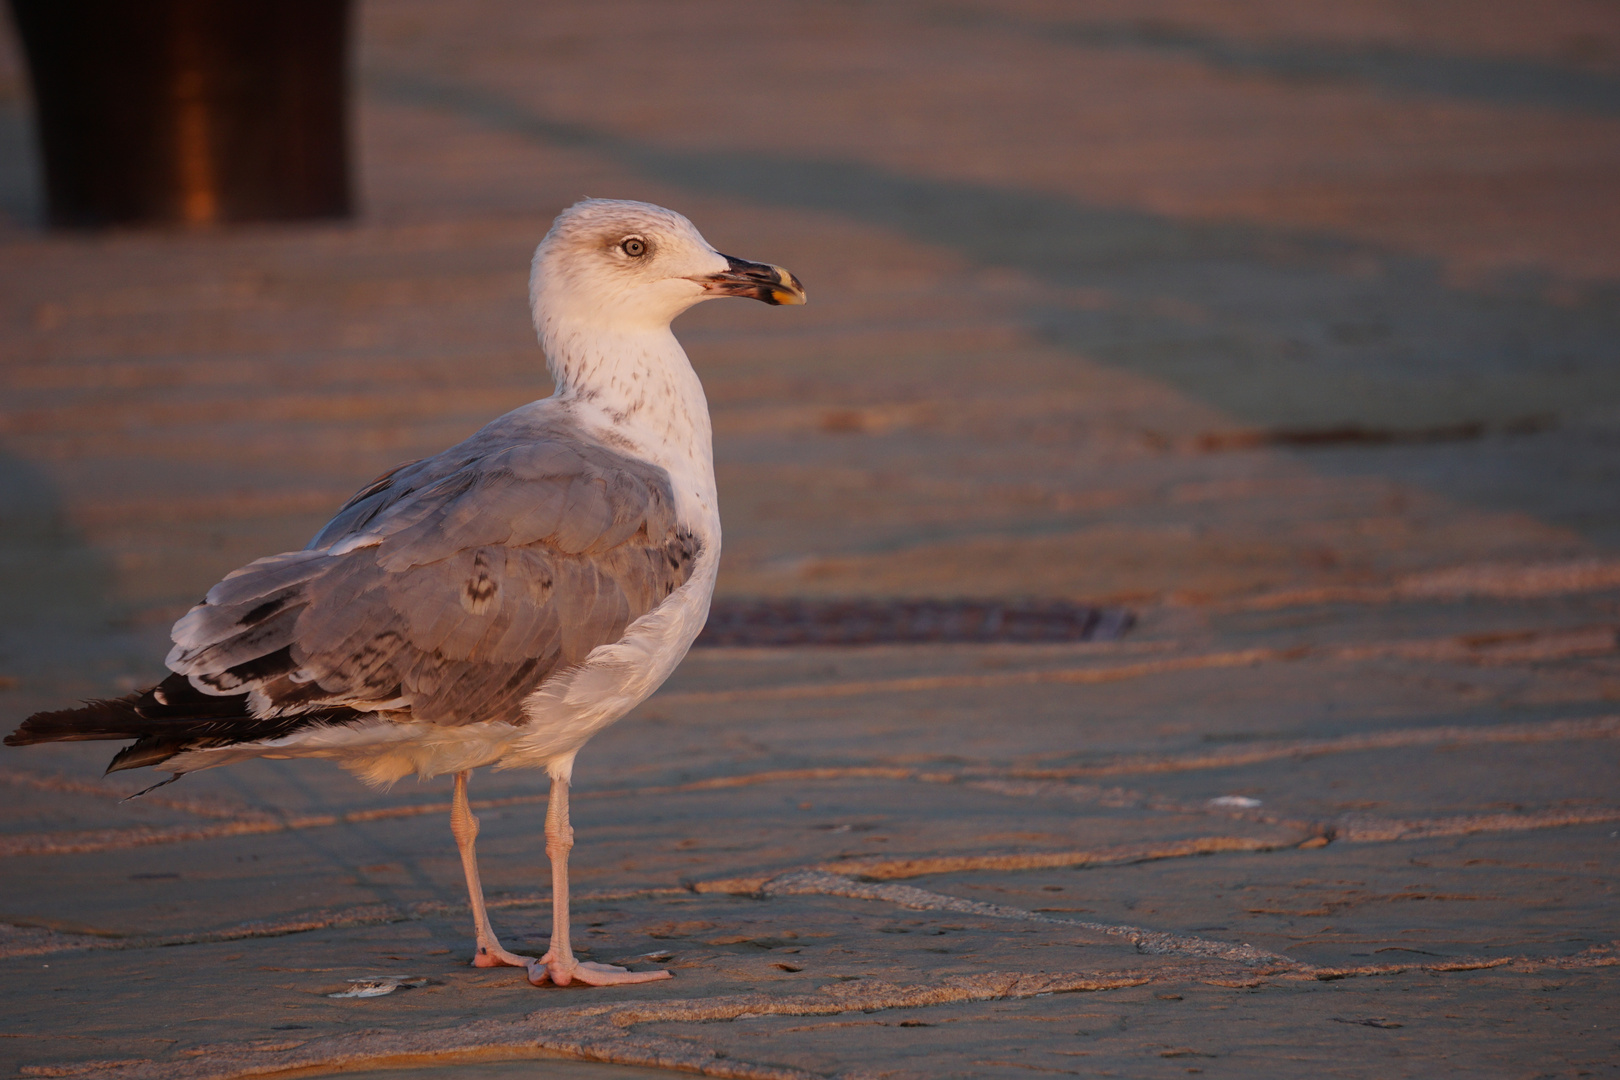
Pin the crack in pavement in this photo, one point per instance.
(1491, 581)
(821, 883)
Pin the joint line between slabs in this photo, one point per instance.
(244, 821)
(1506, 648)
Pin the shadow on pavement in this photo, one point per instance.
(1494, 80)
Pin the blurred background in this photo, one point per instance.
(1151, 302)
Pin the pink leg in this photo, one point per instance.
(464, 826)
(559, 964)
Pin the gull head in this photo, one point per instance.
(634, 265)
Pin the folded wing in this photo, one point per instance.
(447, 591)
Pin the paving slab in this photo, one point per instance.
(1288, 327)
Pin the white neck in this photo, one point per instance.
(635, 390)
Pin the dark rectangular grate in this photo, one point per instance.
(795, 621)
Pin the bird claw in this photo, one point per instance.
(563, 973)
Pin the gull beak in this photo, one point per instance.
(762, 281)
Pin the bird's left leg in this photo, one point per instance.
(559, 963)
(464, 826)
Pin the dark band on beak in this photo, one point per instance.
(761, 281)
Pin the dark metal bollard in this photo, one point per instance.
(189, 111)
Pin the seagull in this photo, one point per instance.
(499, 602)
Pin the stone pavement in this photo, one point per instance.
(1290, 326)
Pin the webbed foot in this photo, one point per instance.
(566, 972)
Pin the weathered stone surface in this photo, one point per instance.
(1289, 327)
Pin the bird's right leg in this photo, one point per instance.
(464, 826)
(560, 965)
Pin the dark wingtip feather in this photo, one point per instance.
(107, 718)
(166, 720)
(144, 752)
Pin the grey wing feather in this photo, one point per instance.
(451, 587)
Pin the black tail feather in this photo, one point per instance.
(143, 752)
(109, 718)
(168, 719)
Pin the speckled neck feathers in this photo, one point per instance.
(606, 282)
(635, 391)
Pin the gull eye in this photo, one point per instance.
(633, 246)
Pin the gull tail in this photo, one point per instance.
(102, 718)
(164, 720)
(110, 718)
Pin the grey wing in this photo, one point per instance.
(450, 588)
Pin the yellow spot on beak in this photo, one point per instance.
(791, 292)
